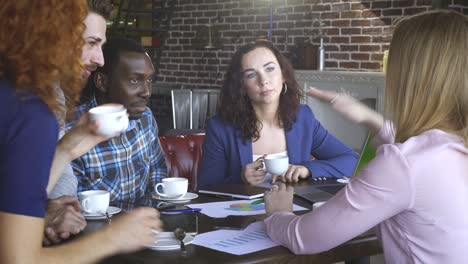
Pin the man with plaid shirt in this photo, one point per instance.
(129, 165)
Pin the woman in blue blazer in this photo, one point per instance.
(260, 115)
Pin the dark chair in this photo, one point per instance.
(183, 156)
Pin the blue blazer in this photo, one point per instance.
(225, 154)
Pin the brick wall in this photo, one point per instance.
(356, 33)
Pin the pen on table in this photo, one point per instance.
(187, 210)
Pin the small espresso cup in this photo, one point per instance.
(172, 187)
(277, 165)
(95, 201)
(112, 119)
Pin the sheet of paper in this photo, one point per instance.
(237, 207)
(252, 238)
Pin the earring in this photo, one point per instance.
(285, 87)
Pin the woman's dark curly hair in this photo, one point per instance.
(235, 106)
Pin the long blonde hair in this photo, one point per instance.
(427, 79)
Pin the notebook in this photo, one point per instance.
(241, 191)
(322, 193)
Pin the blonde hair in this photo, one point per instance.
(427, 80)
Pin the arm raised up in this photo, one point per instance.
(350, 108)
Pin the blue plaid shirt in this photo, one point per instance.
(128, 166)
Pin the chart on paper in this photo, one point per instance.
(237, 207)
(246, 207)
(253, 238)
(240, 240)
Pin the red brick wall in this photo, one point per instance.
(356, 32)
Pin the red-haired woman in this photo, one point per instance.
(40, 48)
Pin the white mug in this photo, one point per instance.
(277, 165)
(112, 119)
(172, 187)
(95, 201)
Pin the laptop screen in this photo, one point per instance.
(367, 153)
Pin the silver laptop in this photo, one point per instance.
(324, 190)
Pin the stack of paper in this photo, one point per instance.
(251, 239)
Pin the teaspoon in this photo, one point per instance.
(179, 233)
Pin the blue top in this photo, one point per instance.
(128, 166)
(28, 137)
(225, 154)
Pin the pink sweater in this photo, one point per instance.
(416, 193)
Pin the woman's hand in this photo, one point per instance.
(293, 174)
(350, 108)
(135, 230)
(81, 138)
(279, 199)
(62, 219)
(253, 173)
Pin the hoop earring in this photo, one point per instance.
(285, 87)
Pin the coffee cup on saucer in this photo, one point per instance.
(277, 165)
(112, 119)
(95, 201)
(172, 187)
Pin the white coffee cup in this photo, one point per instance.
(112, 119)
(277, 165)
(172, 187)
(95, 201)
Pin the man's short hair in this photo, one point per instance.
(112, 50)
(103, 8)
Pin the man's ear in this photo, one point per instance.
(100, 81)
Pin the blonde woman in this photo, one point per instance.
(416, 189)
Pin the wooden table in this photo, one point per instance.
(366, 244)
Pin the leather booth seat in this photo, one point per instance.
(183, 156)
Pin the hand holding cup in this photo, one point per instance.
(253, 173)
(276, 165)
(111, 118)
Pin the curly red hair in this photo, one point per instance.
(41, 47)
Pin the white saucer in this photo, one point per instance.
(167, 241)
(112, 210)
(184, 199)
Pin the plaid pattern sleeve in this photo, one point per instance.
(157, 166)
(128, 166)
